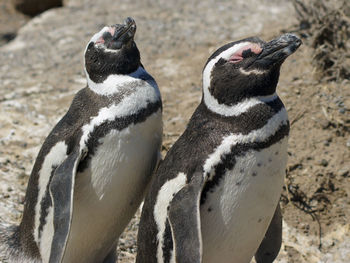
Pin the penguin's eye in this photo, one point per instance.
(107, 36)
(235, 58)
(245, 52)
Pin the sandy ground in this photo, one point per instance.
(41, 70)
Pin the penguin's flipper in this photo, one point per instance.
(271, 244)
(61, 191)
(184, 219)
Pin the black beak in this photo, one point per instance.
(126, 31)
(277, 50)
(123, 34)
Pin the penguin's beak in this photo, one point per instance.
(123, 34)
(277, 50)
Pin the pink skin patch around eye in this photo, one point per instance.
(101, 40)
(238, 55)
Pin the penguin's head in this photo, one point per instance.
(112, 51)
(246, 68)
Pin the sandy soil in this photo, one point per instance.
(39, 76)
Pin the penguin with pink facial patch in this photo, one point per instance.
(215, 196)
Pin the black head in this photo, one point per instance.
(246, 68)
(112, 51)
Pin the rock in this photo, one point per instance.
(344, 172)
(35, 7)
(324, 162)
(10, 21)
(325, 124)
(342, 110)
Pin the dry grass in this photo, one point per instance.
(326, 27)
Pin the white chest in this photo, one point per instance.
(126, 156)
(110, 190)
(235, 216)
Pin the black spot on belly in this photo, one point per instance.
(254, 174)
(259, 164)
(210, 209)
(238, 183)
(276, 153)
(259, 220)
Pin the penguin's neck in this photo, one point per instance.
(115, 82)
(236, 109)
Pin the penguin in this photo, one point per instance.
(214, 195)
(91, 173)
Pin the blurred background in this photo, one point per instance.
(41, 68)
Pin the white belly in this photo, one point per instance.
(110, 190)
(235, 217)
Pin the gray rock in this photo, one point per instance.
(35, 7)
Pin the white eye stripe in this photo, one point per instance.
(209, 100)
(99, 34)
(96, 37)
(226, 54)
